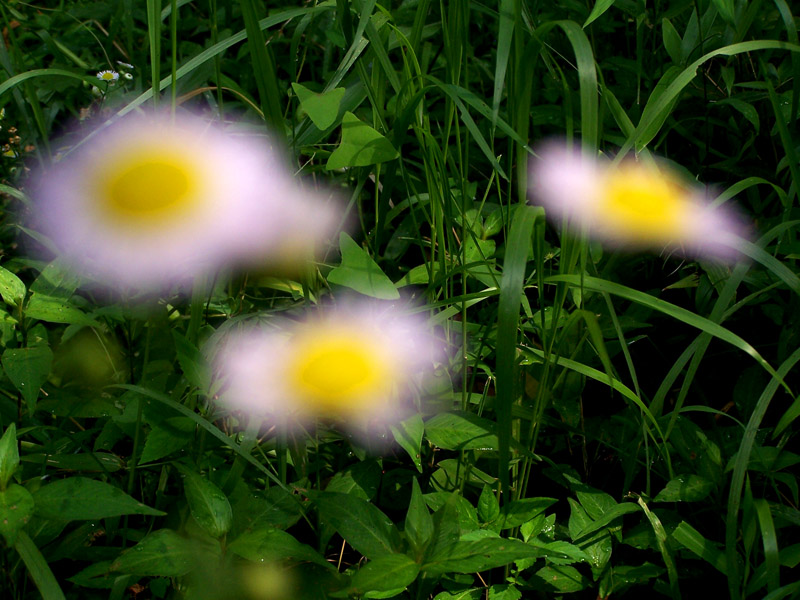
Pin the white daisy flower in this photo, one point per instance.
(632, 204)
(352, 364)
(108, 76)
(151, 201)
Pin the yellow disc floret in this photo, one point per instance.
(642, 204)
(336, 372)
(148, 188)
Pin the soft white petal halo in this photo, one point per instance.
(155, 200)
(632, 204)
(351, 364)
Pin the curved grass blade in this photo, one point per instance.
(681, 81)
(37, 567)
(770, 540)
(14, 81)
(507, 321)
(740, 471)
(681, 314)
(200, 421)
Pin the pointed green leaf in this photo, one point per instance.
(28, 368)
(408, 434)
(488, 505)
(162, 553)
(208, 504)
(460, 431)
(471, 557)
(323, 108)
(419, 523)
(360, 523)
(12, 290)
(361, 146)
(167, 437)
(685, 488)
(16, 508)
(600, 7)
(9, 455)
(385, 573)
(564, 578)
(80, 498)
(270, 544)
(359, 272)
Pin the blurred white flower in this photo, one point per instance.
(152, 201)
(633, 204)
(352, 364)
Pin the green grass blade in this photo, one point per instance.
(201, 422)
(682, 80)
(264, 70)
(770, 541)
(740, 471)
(692, 539)
(37, 567)
(154, 36)
(676, 312)
(507, 322)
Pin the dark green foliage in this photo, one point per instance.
(605, 424)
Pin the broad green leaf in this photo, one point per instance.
(361, 146)
(360, 523)
(689, 537)
(56, 310)
(96, 576)
(685, 488)
(608, 517)
(361, 479)
(16, 508)
(595, 502)
(488, 505)
(359, 272)
(474, 594)
(163, 553)
(561, 552)
(167, 437)
(472, 557)
(385, 573)
(9, 455)
(460, 431)
(270, 544)
(192, 363)
(78, 406)
(408, 434)
(207, 503)
(28, 369)
(517, 512)
(672, 41)
(84, 461)
(725, 9)
(80, 498)
(419, 523)
(12, 289)
(598, 546)
(564, 578)
(600, 7)
(504, 592)
(323, 108)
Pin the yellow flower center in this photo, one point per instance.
(148, 188)
(643, 203)
(338, 373)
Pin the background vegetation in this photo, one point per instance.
(638, 409)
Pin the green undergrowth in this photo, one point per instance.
(606, 423)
